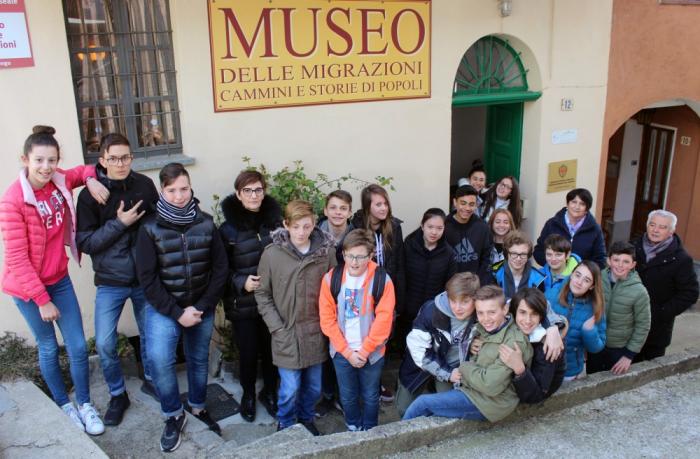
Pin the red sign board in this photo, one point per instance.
(15, 46)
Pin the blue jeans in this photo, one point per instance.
(451, 404)
(162, 335)
(354, 383)
(298, 393)
(71, 325)
(109, 303)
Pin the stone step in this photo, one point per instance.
(31, 425)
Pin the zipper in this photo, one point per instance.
(188, 265)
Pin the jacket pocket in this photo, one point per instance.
(284, 345)
(313, 345)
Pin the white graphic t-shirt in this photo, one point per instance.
(353, 305)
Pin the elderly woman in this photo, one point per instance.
(576, 223)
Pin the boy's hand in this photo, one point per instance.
(356, 360)
(513, 358)
(475, 346)
(622, 366)
(456, 376)
(192, 316)
(553, 344)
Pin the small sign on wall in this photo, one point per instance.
(15, 47)
(685, 140)
(564, 136)
(562, 176)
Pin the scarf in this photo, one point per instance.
(652, 250)
(177, 215)
(573, 227)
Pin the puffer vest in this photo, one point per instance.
(184, 256)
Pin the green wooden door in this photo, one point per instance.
(504, 129)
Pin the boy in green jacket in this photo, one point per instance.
(627, 310)
(485, 390)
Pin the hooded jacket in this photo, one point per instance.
(550, 281)
(427, 271)
(181, 265)
(472, 245)
(376, 316)
(429, 342)
(588, 242)
(486, 380)
(672, 285)
(24, 233)
(628, 313)
(288, 298)
(104, 237)
(532, 277)
(245, 235)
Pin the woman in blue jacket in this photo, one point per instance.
(580, 300)
(576, 223)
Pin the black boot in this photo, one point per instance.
(117, 406)
(248, 406)
(269, 401)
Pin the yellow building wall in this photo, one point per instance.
(406, 139)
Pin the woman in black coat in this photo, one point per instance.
(250, 216)
(429, 263)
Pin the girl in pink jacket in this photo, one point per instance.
(37, 218)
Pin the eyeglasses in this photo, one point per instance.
(503, 185)
(248, 192)
(115, 160)
(358, 258)
(522, 256)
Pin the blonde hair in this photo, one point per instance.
(462, 286)
(298, 209)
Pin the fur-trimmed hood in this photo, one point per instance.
(270, 214)
(321, 242)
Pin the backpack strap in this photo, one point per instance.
(336, 281)
(378, 283)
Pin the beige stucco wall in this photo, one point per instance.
(409, 140)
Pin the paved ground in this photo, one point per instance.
(658, 420)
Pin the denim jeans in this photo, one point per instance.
(298, 393)
(450, 404)
(162, 335)
(71, 325)
(355, 383)
(109, 303)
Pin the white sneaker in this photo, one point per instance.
(92, 421)
(72, 413)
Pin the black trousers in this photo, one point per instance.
(253, 340)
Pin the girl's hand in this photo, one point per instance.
(476, 346)
(97, 190)
(192, 316)
(49, 312)
(252, 283)
(588, 325)
(456, 376)
(622, 366)
(553, 344)
(513, 358)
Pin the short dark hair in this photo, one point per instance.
(581, 193)
(359, 238)
(247, 177)
(534, 299)
(340, 194)
(41, 136)
(557, 243)
(170, 172)
(113, 138)
(466, 190)
(622, 248)
(433, 212)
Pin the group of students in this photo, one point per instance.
(478, 326)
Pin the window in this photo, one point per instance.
(124, 74)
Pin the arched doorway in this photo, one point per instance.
(653, 162)
(489, 91)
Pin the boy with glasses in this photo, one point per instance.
(108, 234)
(358, 326)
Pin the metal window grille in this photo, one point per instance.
(124, 74)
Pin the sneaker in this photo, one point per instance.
(149, 389)
(386, 395)
(311, 427)
(170, 439)
(72, 413)
(205, 418)
(269, 401)
(115, 411)
(92, 421)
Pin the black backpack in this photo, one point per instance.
(377, 283)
